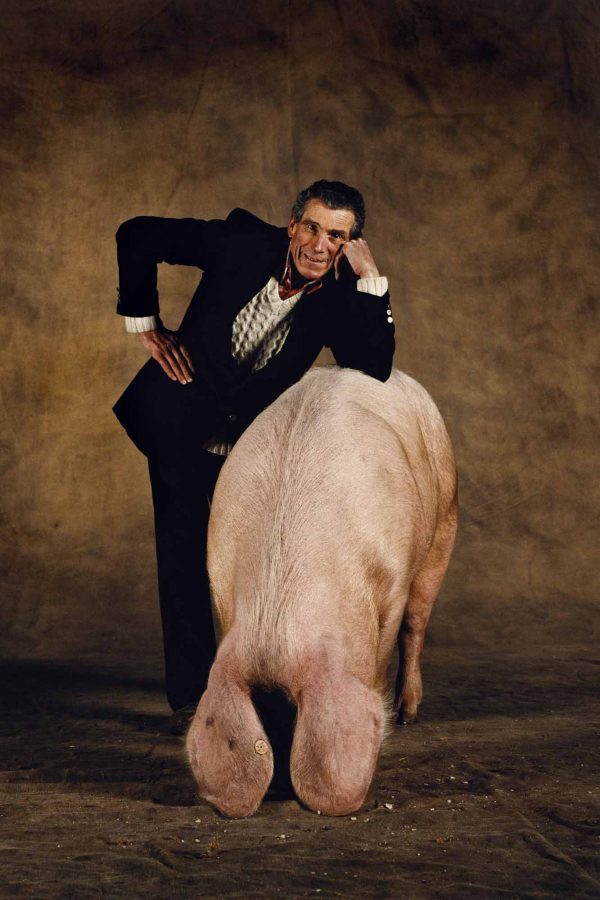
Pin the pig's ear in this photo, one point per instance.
(228, 750)
(336, 743)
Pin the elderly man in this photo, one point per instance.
(269, 299)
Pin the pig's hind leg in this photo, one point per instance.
(227, 746)
(423, 592)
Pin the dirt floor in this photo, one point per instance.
(493, 793)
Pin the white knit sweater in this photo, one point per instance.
(259, 331)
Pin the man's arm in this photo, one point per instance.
(361, 331)
(142, 243)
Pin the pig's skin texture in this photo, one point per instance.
(331, 528)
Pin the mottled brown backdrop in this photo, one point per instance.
(472, 129)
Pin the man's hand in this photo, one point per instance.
(164, 346)
(360, 258)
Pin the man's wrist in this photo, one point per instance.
(373, 284)
(139, 324)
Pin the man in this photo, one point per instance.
(269, 299)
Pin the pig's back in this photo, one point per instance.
(329, 499)
(339, 434)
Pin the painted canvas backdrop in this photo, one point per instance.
(472, 130)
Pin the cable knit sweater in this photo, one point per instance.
(259, 331)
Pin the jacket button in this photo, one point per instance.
(232, 417)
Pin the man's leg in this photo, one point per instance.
(181, 492)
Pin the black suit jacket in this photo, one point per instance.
(238, 256)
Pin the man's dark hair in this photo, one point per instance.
(335, 195)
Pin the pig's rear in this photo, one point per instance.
(323, 516)
(322, 513)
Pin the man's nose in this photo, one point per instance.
(320, 242)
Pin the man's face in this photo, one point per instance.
(317, 238)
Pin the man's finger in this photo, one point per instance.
(187, 357)
(178, 356)
(165, 366)
(175, 366)
(337, 261)
(179, 364)
(169, 364)
(164, 349)
(181, 359)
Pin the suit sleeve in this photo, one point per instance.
(361, 331)
(145, 241)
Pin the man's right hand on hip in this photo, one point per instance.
(164, 346)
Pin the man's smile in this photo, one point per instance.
(317, 260)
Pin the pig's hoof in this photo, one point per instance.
(406, 719)
(406, 704)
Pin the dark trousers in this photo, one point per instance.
(181, 493)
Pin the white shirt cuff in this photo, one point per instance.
(373, 285)
(137, 324)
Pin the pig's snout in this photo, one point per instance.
(229, 752)
(337, 740)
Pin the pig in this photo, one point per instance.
(330, 532)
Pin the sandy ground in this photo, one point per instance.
(493, 793)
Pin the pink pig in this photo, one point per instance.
(330, 533)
